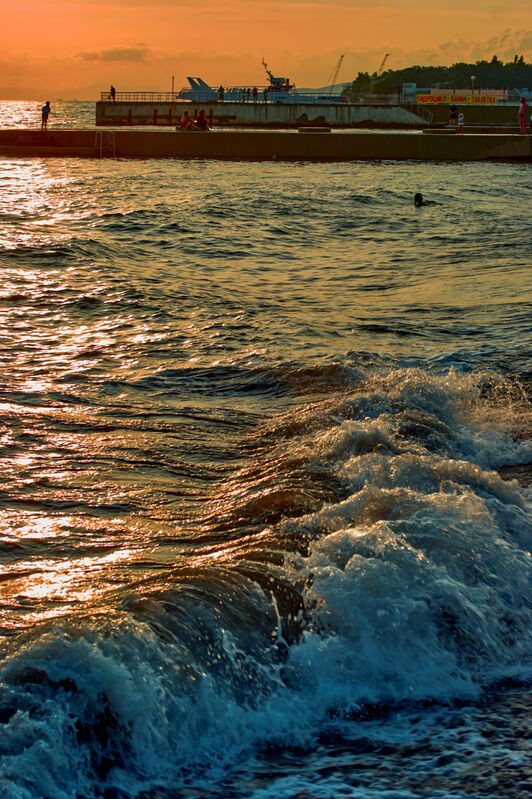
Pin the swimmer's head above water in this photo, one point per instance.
(418, 199)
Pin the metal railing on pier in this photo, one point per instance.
(419, 111)
(140, 97)
(174, 97)
(231, 95)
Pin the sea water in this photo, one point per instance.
(265, 482)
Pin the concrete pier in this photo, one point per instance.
(261, 145)
(405, 114)
(262, 115)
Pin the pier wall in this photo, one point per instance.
(341, 115)
(263, 145)
(487, 115)
(274, 115)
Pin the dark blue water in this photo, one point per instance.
(265, 480)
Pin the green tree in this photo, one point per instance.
(488, 75)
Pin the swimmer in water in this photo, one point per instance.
(419, 200)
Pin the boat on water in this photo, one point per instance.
(278, 90)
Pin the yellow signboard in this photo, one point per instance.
(463, 99)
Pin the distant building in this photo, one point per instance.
(411, 91)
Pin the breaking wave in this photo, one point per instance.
(372, 550)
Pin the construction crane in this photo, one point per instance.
(376, 75)
(383, 64)
(335, 74)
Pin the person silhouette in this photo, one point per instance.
(185, 123)
(45, 113)
(522, 115)
(418, 199)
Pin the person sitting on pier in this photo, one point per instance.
(185, 123)
(200, 122)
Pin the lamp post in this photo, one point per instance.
(173, 82)
(473, 79)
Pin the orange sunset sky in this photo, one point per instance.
(75, 48)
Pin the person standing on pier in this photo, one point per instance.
(453, 115)
(112, 92)
(255, 94)
(522, 116)
(45, 113)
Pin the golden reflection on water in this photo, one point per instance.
(26, 114)
(23, 460)
(36, 197)
(42, 527)
(44, 589)
(34, 385)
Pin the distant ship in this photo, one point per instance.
(278, 90)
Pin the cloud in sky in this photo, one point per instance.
(504, 45)
(137, 54)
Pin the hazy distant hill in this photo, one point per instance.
(487, 75)
(337, 88)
